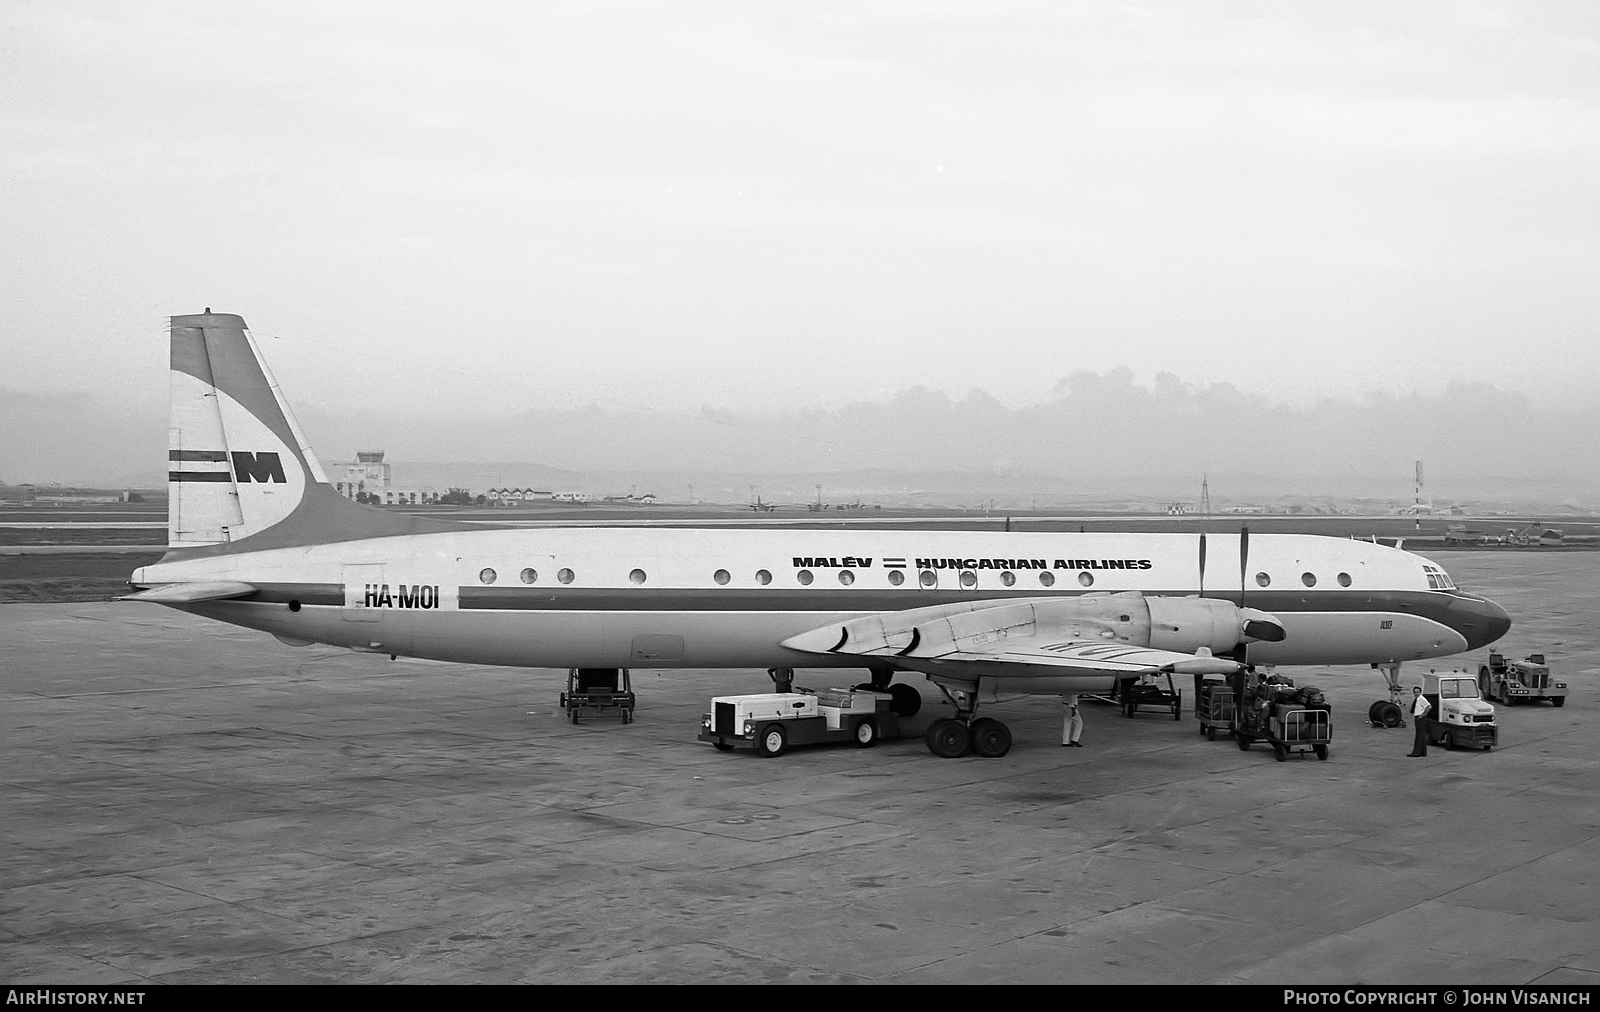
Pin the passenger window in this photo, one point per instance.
(1263, 580)
(1008, 578)
(565, 576)
(636, 577)
(763, 577)
(896, 578)
(927, 579)
(804, 576)
(846, 577)
(1344, 579)
(1047, 580)
(487, 576)
(1086, 578)
(722, 577)
(530, 576)
(1309, 579)
(969, 579)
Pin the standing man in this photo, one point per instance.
(1071, 724)
(1420, 708)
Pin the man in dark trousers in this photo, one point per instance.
(1420, 708)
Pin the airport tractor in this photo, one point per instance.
(1460, 718)
(771, 722)
(1526, 681)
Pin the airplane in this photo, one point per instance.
(762, 507)
(259, 538)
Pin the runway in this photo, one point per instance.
(190, 802)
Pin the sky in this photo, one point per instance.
(462, 210)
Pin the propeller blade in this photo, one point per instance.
(1202, 565)
(1244, 560)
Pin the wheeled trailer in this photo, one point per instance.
(1289, 731)
(1213, 706)
(1131, 694)
(598, 692)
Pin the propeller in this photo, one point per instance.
(1202, 564)
(1244, 560)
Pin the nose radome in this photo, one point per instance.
(1480, 621)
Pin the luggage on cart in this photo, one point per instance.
(1213, 705)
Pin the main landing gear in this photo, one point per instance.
(952, 737)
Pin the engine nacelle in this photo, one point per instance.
(1186, 624)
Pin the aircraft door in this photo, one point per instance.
(364, 591)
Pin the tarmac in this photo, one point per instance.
(183, 801)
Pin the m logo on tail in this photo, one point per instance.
(261, 467)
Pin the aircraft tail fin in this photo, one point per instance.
(239, 468)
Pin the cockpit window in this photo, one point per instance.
(1438, 579)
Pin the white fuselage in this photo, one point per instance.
(687, 597)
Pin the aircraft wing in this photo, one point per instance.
(1108, 635)
(1049, 655)
(189, 593)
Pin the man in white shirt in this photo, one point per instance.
(1071, 724)
(1420, 708)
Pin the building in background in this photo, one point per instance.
(369, 479)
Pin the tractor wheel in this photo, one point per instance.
(1280, 752)
(1504, 698)
(774, 739)
(1321, 751)
(722, 746)
(866, 734)
(1558, 700)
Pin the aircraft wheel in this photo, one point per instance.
(774, 739)
(1321, 751)
(904, 700)
(722, 746)
(866, 734)
(948, 739)
(1558, 700)
(1280, 752)
(990, 738)
(1390, 715)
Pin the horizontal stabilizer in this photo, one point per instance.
(190, 593)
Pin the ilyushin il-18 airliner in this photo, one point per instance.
(258, 537)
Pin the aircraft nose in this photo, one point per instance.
(1479, 621)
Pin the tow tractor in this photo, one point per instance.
(1460, 718)
(771, 722)
(1527, 681)
(1271, 709)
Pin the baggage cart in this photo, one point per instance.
(1213, 706)
(598, 692)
